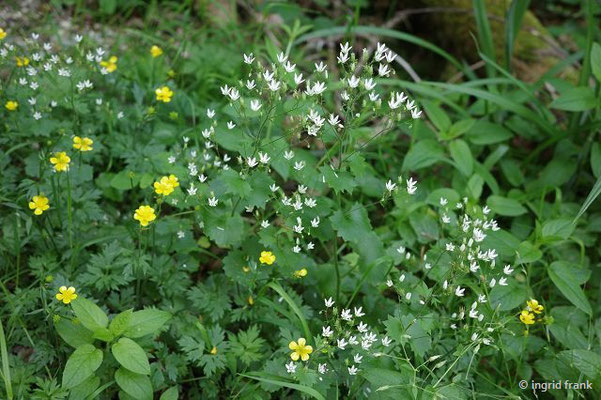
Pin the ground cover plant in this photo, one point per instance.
(282, 200)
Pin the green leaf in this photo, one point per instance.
(595, 191)
(136, 385)
(279, 381)
(85, 389)
(485, 37)
(575, 99)
(507, 297)
(423, 154)
(89, 314)
(596, 159)
(586, 361)
(146, 322)
(120, 322)
(74, 334)
(527, 253)
(516, 12)
(81, 364)
(458, 129)
(437, 115)
(505, 206)
(563, 276)
(484, 132)
(131, 356)
(462, 156)
(170, 394)
(560, 228)
(596, 61)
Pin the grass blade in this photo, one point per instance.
(515, 14)
(278, 288)
(595, 192)
(484, 33)
(277, 380)
(5, 365)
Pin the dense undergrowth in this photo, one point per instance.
(255, 211)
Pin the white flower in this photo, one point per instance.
(390, 56)
(282, 57)
(264, 224)
(315, 222)
(210, 113)
(459, 291)
(231, 125)
(310, 246)
(353, 81)
(443, 201)
(299, 165)
(383, 70)
(357, 358)
(342, 343)
(296, 249)
(345, 48)
(362, 327)
(213, 202)
(374, 96)
(248, 59)
(288, 155)
(481, 298)
(329, 302)
(318, 88)
(352, 370)
(486, 210)
(342, 58)
(346, 314)
(225, 90)
(359, 312)
(402, 278)
(289, 67)
(507, 270)
(192, 190)
(78, 38)
(389, 283)
(321, 67)
(37, 115)
(446, 219)
(369, 84)
(255, 105)
(326, 331)
(386, 341)
(251, 161)
(503, 281)
(492, 283)
(415, 113)
(274, 86)
(322, 368)
(380, 50)
(450, 247)
(298, 79)
(310, 202)
(390, 186)
(250, 85)
(181, 234)
(353, 341)
(264, 158)
(291, 367)
(411, 188)
(396, 99)
(234, 94)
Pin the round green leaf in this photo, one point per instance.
(136, 385)
(83, 362)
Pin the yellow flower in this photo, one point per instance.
(110, 65)
(164, 94)
(214, 350)
(84, 144)
(300, 349)
(527, 317)
(2, 33)
(300, 273)
(39, 204)
(166, 185)
(66, 295)
(144, 214)
(534, 306)
(251, 301)
(60, 161)
(22, 61)
(246, 269)
(267, 257)
(11, 105)
(156, 51)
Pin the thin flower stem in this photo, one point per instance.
(69, 211)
